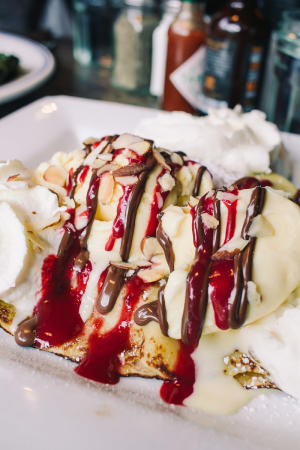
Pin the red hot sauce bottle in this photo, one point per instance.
(185, 57)
(236, 40)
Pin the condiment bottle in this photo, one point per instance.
(236, 40)
(186, 38)
(286, 82)
(133, 31)
(170, 9)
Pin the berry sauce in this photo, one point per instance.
(181, 387)
(177, 390)
(83, 174)
(157, 204)
(221, 278)
(62, 287)
(102, 362)
(58, 309)
(119, 221)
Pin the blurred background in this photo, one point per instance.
(187, 55)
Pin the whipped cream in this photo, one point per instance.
(27, 212)
(276, 259)
(231, 144)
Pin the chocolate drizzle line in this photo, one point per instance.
(161, 311)
(132, 207)
(26, 331)
(146, 313)
(166, 244)
(115, 277)
(296, 197)
(243, 262)
(196, 300)
(111, 288)
(198, 181)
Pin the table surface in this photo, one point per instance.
(70, 78)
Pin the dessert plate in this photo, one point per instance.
(45, 405)
(36, 64)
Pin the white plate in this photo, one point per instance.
(46, 406)
(36, 63)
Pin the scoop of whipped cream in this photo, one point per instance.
(229, 142)
(26, 212)
(276, 259)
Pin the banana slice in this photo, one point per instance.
(13, 247)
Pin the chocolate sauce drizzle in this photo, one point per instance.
(115, 277)
(146, 313)
(26, 331)
(243, 262)
(207, 243)
(196, 294)
(166, 244)
(112, 286)
(296, 197)
(198, 181)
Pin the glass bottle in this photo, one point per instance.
(159, 46)
(236, 41)
(133, 31)
(286, 86)
(92, 31)
(186, 38)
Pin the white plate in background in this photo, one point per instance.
(44, 405)
(36, 64)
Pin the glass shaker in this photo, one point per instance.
(92, 22)
(286, 83)
(160, 41)
(133, 31)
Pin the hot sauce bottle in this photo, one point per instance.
(185, 56)
(236, 41)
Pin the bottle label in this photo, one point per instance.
(219, 77)
(220, 56)
(188, 77)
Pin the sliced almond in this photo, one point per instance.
(125, 140)
(176, 159)
(160, 159)
(106, 189)
(126, 181)
(209, 221)
(129, 170)
(56, 175)
(150, 247)
(90, 140)
(81, 217)
(193, 201)
(226, 196)
(124, 265)
(105, 156)
(141, 147)
(167, 182)
(150, 275)
(13, 177)
(107, 168)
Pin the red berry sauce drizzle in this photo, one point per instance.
(157, 204)
(225, 281)
(62, 286)
(177, 390)
(102, 362)
(221, 278)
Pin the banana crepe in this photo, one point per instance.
(126, 259)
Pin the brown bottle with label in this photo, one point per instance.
(185, 57)
(236, 41)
